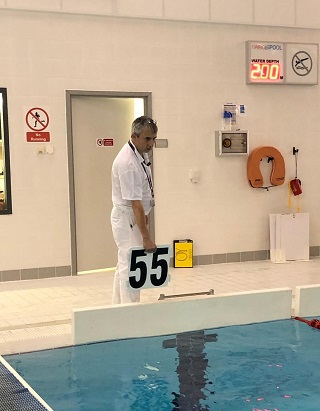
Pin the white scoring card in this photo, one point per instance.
(149, 270)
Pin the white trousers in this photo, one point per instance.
(126, 234)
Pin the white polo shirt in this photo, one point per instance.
(130, 180)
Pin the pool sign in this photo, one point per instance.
(270, 62)
(34, 137)
(302, 63)
(265, 62)
(104, 142)
(37, 120)
(149, 270)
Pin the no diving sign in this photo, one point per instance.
(37, 120)
(302, 63)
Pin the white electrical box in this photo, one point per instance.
(232, 142)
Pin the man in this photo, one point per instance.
(133, 199)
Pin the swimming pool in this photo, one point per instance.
(271, 366)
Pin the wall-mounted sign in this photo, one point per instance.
(104, 142)
(36, 137)
(37, 120)
(281, 63)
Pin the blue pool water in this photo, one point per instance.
(271, 366)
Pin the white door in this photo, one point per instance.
(96, 120)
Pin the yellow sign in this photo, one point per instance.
(183, 253)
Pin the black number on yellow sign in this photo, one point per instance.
(139, 262)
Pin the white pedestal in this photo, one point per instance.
(289, 237)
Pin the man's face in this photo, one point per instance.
(145, 142)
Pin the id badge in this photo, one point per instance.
(152, 203)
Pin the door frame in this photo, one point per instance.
(147, 96)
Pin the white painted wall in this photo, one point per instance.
(287, 13)
(192, 68)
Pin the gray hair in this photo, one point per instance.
(141, 122)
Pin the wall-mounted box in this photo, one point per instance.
(232, 142)
(161, 143)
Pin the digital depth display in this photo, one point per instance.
(265, 62)
(276, 62)
(265, 71)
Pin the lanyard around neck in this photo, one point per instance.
(144, 165)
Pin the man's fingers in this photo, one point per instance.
(151, 250)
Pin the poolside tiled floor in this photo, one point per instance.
(36, 314)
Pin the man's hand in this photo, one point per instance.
(149, 246)
(142, 221)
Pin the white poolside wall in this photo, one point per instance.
(307, 301)
(190, 54)
(93, 324)
(171, 317)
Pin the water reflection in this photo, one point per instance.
(191, 369)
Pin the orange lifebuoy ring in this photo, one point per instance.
(253, 166)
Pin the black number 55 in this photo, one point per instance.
(140, 261)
